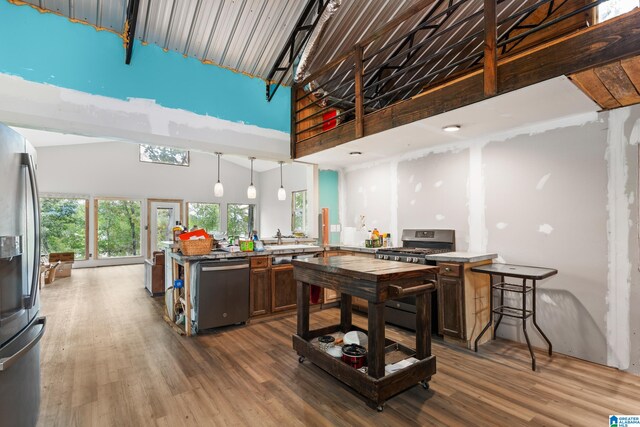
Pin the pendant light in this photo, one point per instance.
(218, 189)
(282, 194)
(251, 191)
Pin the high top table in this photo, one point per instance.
(521, 272)
(375, 281)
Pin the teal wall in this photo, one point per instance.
(47, 48)
(328, 189)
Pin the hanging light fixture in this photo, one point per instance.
(282, 194)
(251, 190)
(218, 189)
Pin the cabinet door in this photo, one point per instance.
(283, 296)
(450, 307)
(260, 291)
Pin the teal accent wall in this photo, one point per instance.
(328, 189)
(47, 48)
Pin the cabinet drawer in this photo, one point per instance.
(449, 269)
(260, 262)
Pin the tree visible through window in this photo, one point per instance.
(118, 228)
(64, 226)
(299, 211)
(164, 155)
(240, 219)
(204, 215)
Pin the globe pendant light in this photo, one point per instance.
(251, 191)
(282, 194)
(218, 189)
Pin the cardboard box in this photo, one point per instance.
(66, 263)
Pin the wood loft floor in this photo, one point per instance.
(109, 359)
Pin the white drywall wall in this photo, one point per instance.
(112, 169)
(276, 214)
(551, 195)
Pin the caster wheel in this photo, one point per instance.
(425, 385)
(300, 359)
(380, 408)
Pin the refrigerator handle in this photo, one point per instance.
(29, 300)
(7, 362)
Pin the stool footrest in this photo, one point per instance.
(518, 313)
(511, 287)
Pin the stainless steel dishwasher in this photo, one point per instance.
(222, 293)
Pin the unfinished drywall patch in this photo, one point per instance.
(475, 195)
(560, 224)
(442, 200)
(374, 206)
(618, 228)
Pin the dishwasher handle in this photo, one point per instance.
(226, 267)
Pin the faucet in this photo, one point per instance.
(279, 236)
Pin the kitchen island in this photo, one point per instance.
(259, 261)
(376, 281)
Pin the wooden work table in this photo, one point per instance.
(376, 281)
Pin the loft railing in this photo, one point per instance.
(431, 44)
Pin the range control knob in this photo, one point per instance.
(396, 258)
(386, 257)
(416, 260)
(409, 259)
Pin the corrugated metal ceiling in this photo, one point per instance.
(244, 35)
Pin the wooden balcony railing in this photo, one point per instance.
(405, 60)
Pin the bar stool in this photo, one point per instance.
(515, 271)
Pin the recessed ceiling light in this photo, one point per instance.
(451, 128)
(355, 153)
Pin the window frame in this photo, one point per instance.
(251, 226)
(96, 246)
(188, 163)
(86, 218)
(206, 203)
(305, 219)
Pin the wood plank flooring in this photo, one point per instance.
(108, 359)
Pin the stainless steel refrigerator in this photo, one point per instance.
(21, 327)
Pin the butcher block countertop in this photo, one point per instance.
(374, 270)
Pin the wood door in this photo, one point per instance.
(260, 292)
(450, 306)
(284, 289)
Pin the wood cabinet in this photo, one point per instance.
(260, 286)
(260, 292)
(463, 301)
(450, 301)
(283, 289)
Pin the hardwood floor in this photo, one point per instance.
(109, 359)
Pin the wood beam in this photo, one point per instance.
(616, 39)
(490, 53)
(359, 92)
(130, 28)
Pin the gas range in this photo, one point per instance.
(414, 255)
(418, 244)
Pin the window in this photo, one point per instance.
(164, 155)
(299, 211)
(204, 215)
(118, 228)
(613, 8)
(64, 225)
(240, 219)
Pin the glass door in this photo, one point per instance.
(163, 215)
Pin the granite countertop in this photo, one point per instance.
(220, 254)
(355, 249)
(461, 256)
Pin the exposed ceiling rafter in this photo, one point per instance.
(130, 28)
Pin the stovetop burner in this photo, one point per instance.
(414, 251)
